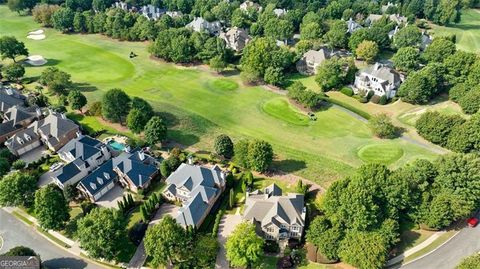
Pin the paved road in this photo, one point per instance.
(466, 243)
(15, 233)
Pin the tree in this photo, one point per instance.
(223, 146)
(274, 76)
(62, 19)
(336, 37)
(244, 247)
(470, 102)
(218, 64)
(51, 208)
(260, 155)
(406, 59)
(42, 13)
(17, 189)
(423, 85)
(436, 127)
(155, 130)
(4, 166)
(173, 45)
(79, 23)
(101, 233)
(166, 242)
(471, 262)
(466, 138)
(11, 48)
(205, 251)
(310, 31)
(364, 250)
(20, 251)
(57, 81)
(115, 105)
(382, 126)
(18, 164)
(438, 50)
(301, 187)
(459, 66)
(70, 192)
(335, 72)
(77, 100)
(14, 72)
(325, 237)
(136, 121)
(367, 50)
(101, 5)
(20, 5)
(408, 36)
(241, 152)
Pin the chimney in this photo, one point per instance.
(190, 159)
(63, 116)
(141, 155)
(79, 135)
(38, 111)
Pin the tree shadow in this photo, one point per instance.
(84, 87)
(65, 263)
(170, 119)
(289, 165)
(183, 138)
(51, 62)
(230, 73)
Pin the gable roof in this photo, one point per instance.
(316, 56)
(200, 24)
(273, 208)
(138, 166)
(83, 147)
(99, 178)
(352, 26)
(192, 176)
(10, 97)
(383, 72)
(70, 170)
(22, 139)
(55, 125)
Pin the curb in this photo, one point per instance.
(435, 249)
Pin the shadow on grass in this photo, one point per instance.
(51, 62)
(183, 138)
(84, 87)
(289, 166)
(170, 119)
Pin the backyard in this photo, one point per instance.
(199, 105)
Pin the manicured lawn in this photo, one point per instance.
(440, 240)
(410, 117)
(467, 31)
(268, 262)
(134, 217)
(281, 109)
(410, 236)
(198, 105)
(380, 153)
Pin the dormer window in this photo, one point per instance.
(27, 137)
(106, 175)
(100, 180)
(93, 186)
(20, 141)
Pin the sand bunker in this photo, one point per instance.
(36, 37)
(37, 32)
(36, 60)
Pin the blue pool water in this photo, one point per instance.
(115, 145)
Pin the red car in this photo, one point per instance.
(472, 222)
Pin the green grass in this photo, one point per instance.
(439, 241)
(467, 30)
(281, 109)
(199, 105)
(134, 217)
(448, 107)
(380, 153)
(22, 218)
(268, 262)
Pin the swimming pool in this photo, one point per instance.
(115, 145)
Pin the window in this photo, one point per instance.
(270, 229)
(295, 228)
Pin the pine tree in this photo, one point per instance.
(145, 215)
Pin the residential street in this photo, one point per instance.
(15, 233)
(448, 256)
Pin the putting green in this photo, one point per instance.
(380, 153)
(198, 105)
(280, 108)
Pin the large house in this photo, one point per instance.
(15, 119)
(134, 170)
(10, 97)
(310, 61)
(199, 24)
(55, 130)
(82, 155)
(249, 4)
(275, 216)
(197, 188)
(380, 79)
(236, 38)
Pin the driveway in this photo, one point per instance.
(110, 199)
(226, 227)
(448, 256)
(139, 257)
(16, 233)
(45, 179)
(34, 155)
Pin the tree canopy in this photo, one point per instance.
(17, 189)
(11, 48)
(115, 105)
(223, 146)
(155, 130)
(51, 207)
(244, 247)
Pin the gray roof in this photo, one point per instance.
(280, 11)
(398, 19)
(202, 184)
(352, 26)
(69, 170)
(138, 166)
(55, 126)
(199, 24)
(383, 72)
(316, 56)
(22, 139)
(99, 178)
(273, 208)
(83, 147)
(236, 38)
(10, 97)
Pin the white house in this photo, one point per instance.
(380, 79)
(199, 24)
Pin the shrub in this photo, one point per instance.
(216, 225)
(383, 100)
(436, 127)
(18, 164)
(382, 126)
(347, 91)
(375, 99)
(271, 247)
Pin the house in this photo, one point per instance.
(380, 79)
(385, 7)
(55, 130)
(174, 14)
(372, 18)
(99, 182)
(152, 12)
(15, 119)
(199, 24)
(426, 41)
(250, 5)
(353, 26)
(310, 61)
(70, 174)
(10, 97)
(280, 12)
(399, 20)
(393, 32)
(236, 38)
(89, 149)
(121, 5)
(275, 216)
(135, 169)
(197, 188)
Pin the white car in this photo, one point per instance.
(55, 166)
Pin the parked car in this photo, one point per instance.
(55, 166)
(472, 222)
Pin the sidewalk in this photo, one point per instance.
(416, 248)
